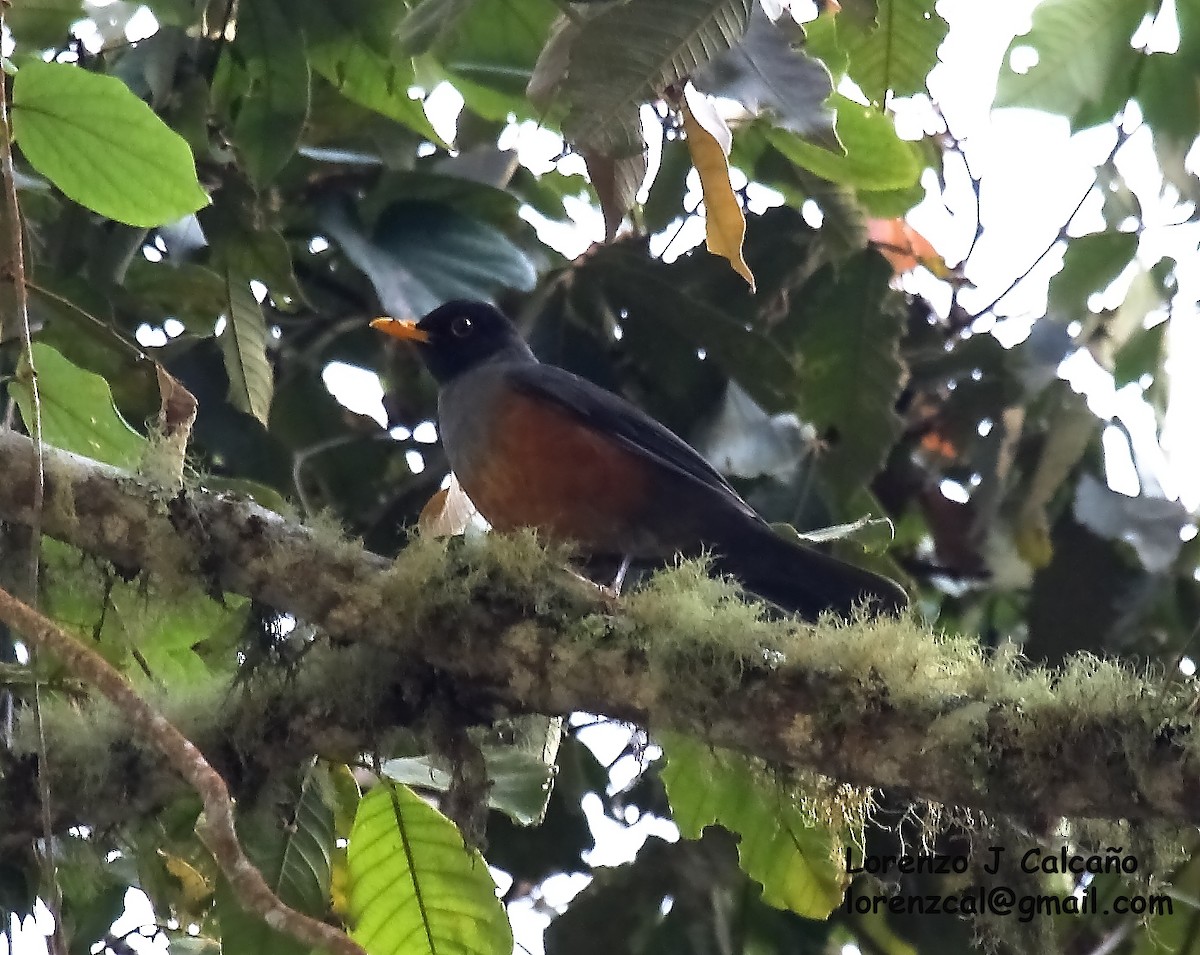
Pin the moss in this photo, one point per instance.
(162, 461)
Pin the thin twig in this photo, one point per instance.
(216, 828)
(116, 334)
(958, 146)
(1061, 235)
(17, 264)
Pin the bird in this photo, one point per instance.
(535, 446)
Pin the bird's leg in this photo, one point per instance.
(610, 593)
(613, 591)
(619, 580)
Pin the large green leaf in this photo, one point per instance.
(423, 254)
(256, 252)
(77, 410)
(898, 51)
(133, 626)
(185, 291)
(102, 146)
(170, 635)
(429, 20)
(1090, 264)
(415, 887)
(661, 42)
(822, 40)
(1079, 45)
(764, 72)
(1169, 98)
(271, 115)
(295, 857)
(668, 314)
(244, 347)
(491, 54)
(43, 23)
(782, 846)
(875, 157)
(353, 46)
(521, 764)
(851, 374)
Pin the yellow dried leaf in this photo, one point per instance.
(1033, 540)
(724, 223)
(195, 886)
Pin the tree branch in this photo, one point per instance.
(496, 628)
(216, 829)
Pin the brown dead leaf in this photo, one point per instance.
(177, 412)
(448, 512)
(708, 141)
(176, 416)
(616, 182)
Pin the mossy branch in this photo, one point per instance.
(496, 627)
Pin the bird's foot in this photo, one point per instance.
(609, 593)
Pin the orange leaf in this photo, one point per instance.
(904, 247)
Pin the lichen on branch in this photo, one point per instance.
(497, 627)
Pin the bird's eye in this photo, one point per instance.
(461, 326)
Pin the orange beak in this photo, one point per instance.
(402, 328)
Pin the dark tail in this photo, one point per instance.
(802, 580)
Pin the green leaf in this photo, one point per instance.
(77, 410)
(295, 857)
(376, 83)
(244, 347)
(77, 319)
(260, 254)
(1080, 45)
(821, 40)
(190, 293)
(415, 887)
(898, 53)
(875, 158)
(167, 633)
(272, 113)
(1142, 355)
(43, 23)
(429, 20)
(852, 374)
(844, 227)
(660, 43)
(1173, 932)
(764, 72)
(891, 203)
(521, 770)
(664, 203)
(663, 310)
(126, 617)
(423, 254)
(491, 54)
(102, 146)
(871, 533)
(88, 919)
(353, 47)
(1091, 263)
(782, 847)
(1169, 98)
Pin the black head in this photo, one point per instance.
(459, 336)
